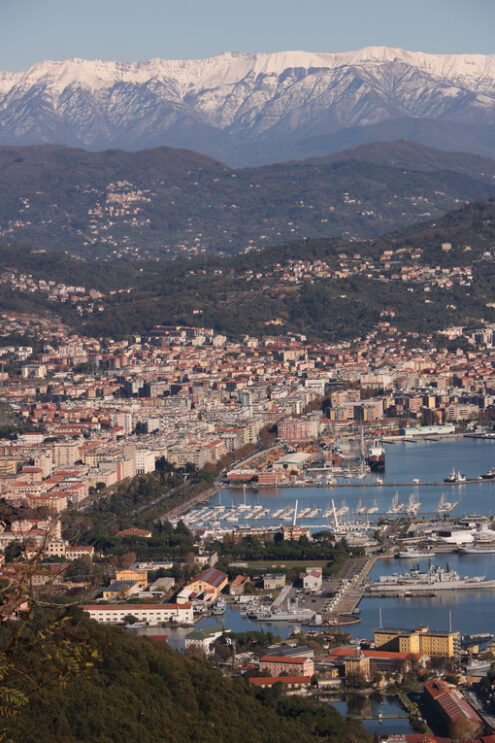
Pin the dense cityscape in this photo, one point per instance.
(247, 372)
(113, 449)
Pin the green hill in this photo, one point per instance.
(168, 201)
(141, 691)
(243, 293)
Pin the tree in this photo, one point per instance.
(130, 619)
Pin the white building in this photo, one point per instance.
(125, 419)
(65, 453)
(203, 639)
(313, 579)
(150, 613)
(145, 461)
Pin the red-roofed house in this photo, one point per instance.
(205, 586)
(277, 664)
(447, 703)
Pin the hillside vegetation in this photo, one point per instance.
(252, 293)
(141, 690)
(162, 202)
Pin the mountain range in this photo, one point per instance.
(247, 109)
(166, 201)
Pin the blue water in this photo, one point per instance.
(427, 461)
(236, 622)
(472, 611)
(365, 705)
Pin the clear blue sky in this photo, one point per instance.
(129, 30)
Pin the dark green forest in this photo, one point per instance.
(73, 681)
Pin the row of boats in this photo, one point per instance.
(456, 477)
(412, 507)
(213, 515)
(254, 610)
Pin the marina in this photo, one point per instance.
(414, 471)
(346, 596)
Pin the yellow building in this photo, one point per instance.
(133, 576)
(119, 589)
(206, 586)
(358, 664)
(418, 640)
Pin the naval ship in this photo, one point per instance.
(433, 579)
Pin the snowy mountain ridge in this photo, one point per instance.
(218, 104)
(232, 67)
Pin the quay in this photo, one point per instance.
(187, 504)
(348, 588)
(356, 483)
(396, 716)
(412, 484)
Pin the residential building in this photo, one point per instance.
(313, 579)
(277, 664)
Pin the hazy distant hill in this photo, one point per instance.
(255, 108)
(167, 201)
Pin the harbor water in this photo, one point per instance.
(372, 706)
(472, 611)
(429, 462)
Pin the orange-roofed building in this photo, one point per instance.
(277, 664)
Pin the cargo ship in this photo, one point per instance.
(376, 458)
(435, 579)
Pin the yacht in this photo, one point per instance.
(477, 549)
(445, 506)
(455, 477)
(413, 505)
(489, 474)
(360, 509)
(395, 506)
(413, 552)
(219, 607)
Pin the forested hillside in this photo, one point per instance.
(425, 278)
(165, 202)
(137, 689)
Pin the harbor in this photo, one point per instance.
(415, 472)
(345, 600)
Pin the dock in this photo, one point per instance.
(409, 484)
(355, 572)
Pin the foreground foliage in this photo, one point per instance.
(134, 689)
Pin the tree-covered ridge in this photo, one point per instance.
(141, 690)
(166, 201)
(246, 293)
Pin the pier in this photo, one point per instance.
(409, 484)
(350, 593)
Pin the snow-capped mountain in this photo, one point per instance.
(257, 107)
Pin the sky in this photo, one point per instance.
(132, 30)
